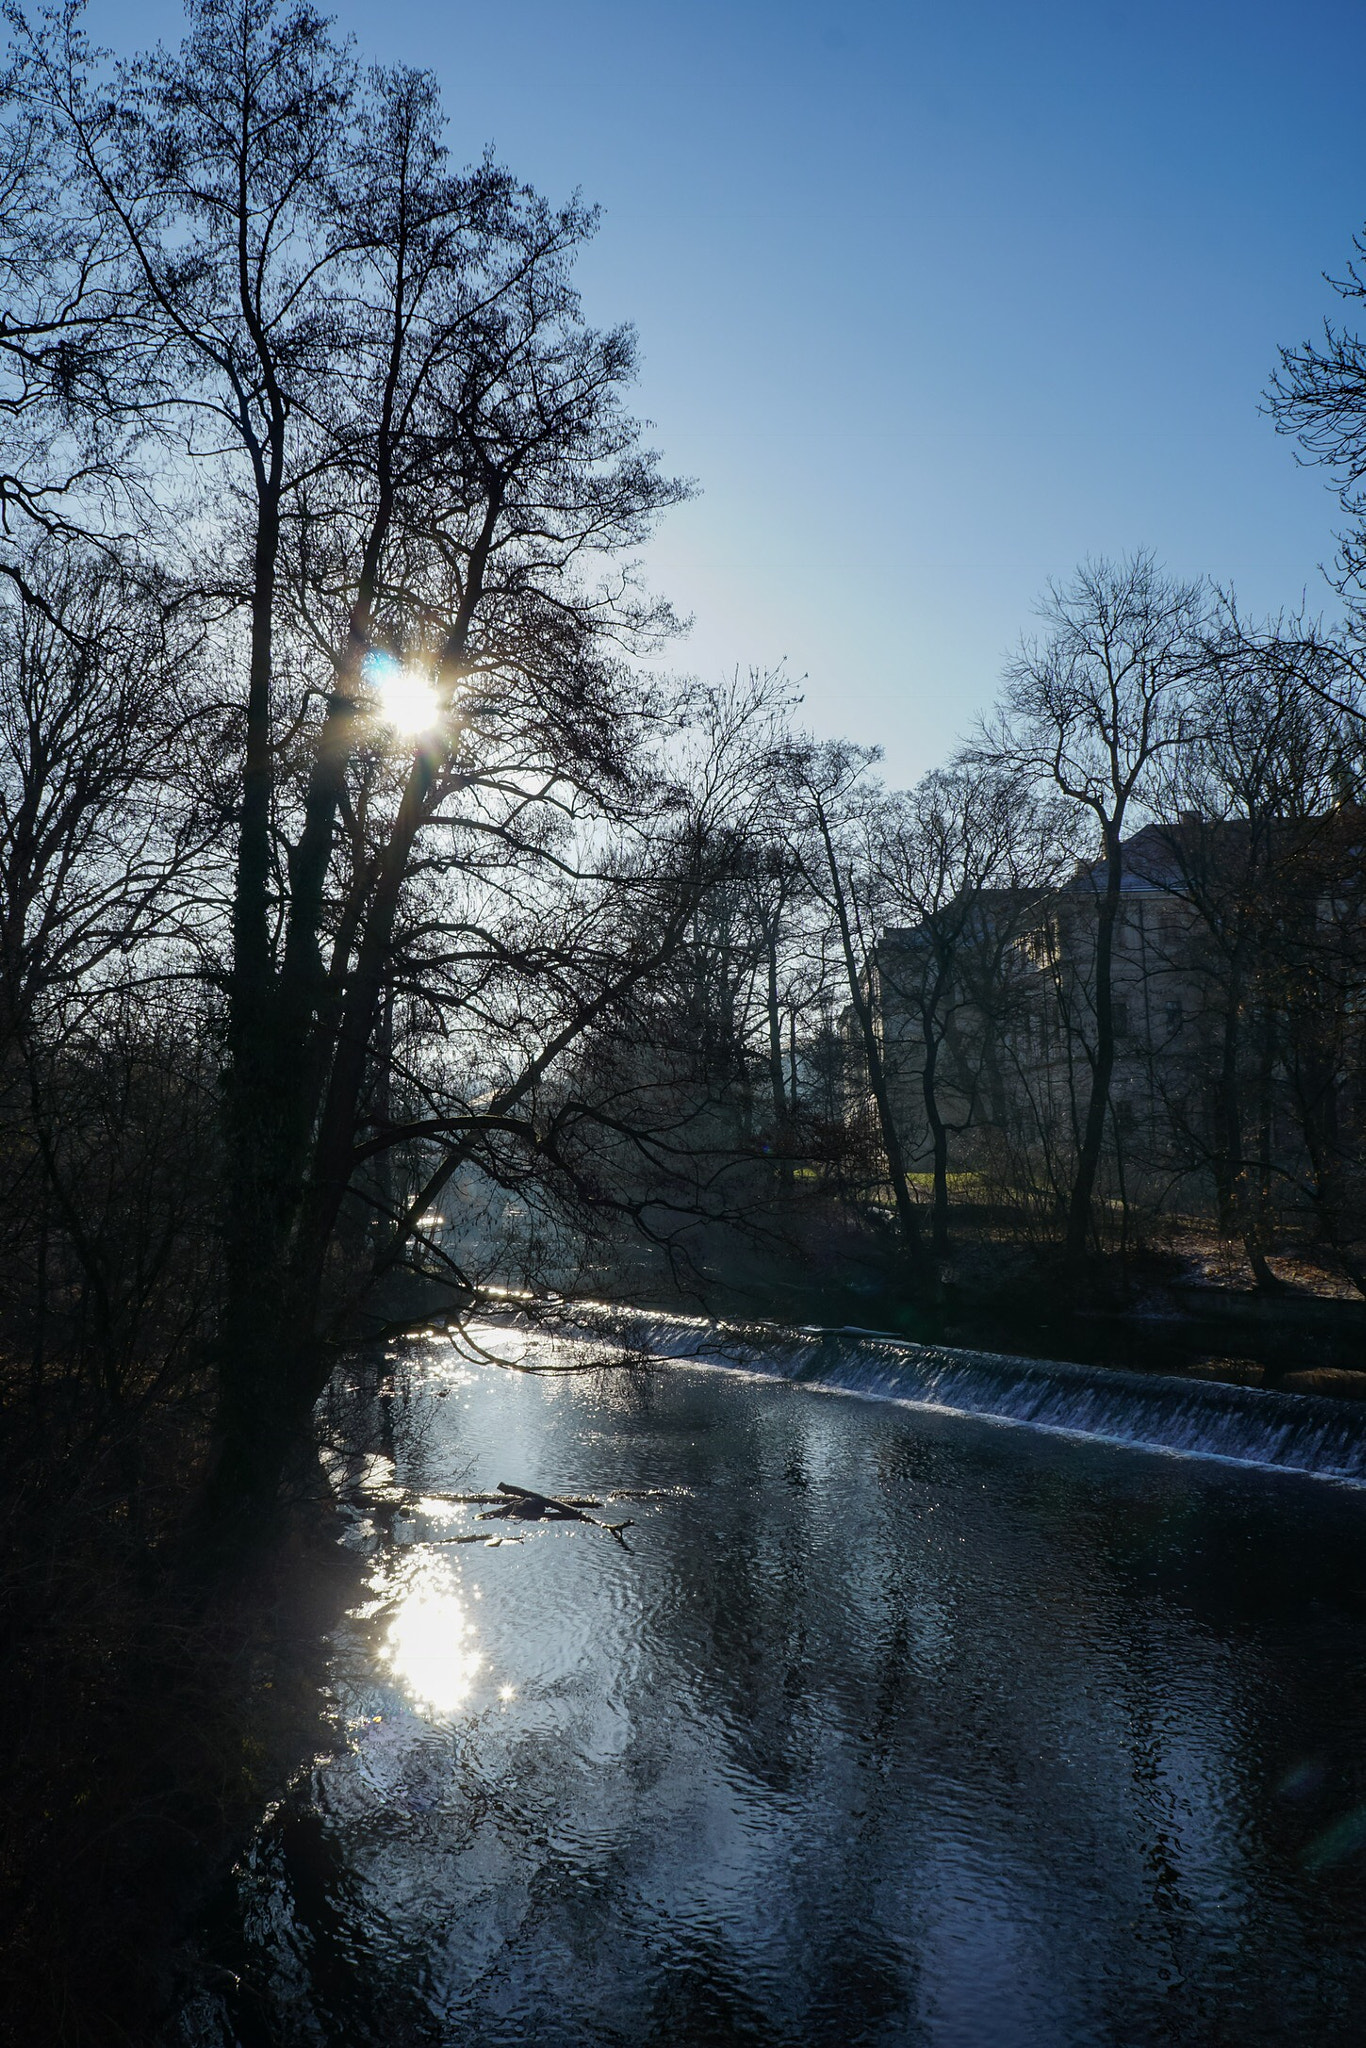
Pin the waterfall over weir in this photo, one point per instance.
(1147, 1411)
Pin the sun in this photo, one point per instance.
(405, 698)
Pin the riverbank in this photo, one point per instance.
(1182, 1308)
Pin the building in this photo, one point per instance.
(1236, 994)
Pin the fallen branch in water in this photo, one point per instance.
(499, 1499)
(521, 1504)
(572, 1500)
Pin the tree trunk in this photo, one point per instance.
(939, 1139)
(861, 1003)
(1103, 1060)
(1238, 1215)
(1230, 1167)
(777, 1080)
(255, 1408)
(1255, 1224)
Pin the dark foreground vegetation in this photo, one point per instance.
(379, 922)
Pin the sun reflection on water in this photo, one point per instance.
(430, 1648)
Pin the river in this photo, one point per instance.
(884, 1724)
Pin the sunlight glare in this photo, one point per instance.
(429, 1649)
(406, 698)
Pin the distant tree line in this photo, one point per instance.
(1098, 982)
(1102, 977)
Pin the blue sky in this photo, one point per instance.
(933, 299)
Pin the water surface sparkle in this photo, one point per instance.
(890, 1727)
(430, 1643)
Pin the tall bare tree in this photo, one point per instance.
(407, 457)
(833, 801)
(1089, 710)
(959, 865)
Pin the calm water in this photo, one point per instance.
(888, 1727)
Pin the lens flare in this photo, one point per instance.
(405, 699)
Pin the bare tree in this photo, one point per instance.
(71, 349)
(833, 800)
(1318, 394)
(1089, 710)
(412, 461)
(960, 864)
(653, 1119)
(99, 839)
(101, 857)
(1247, 820)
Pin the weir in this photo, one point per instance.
(1307, 1433)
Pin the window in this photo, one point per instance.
(1175, 1018)
(1119, 1017)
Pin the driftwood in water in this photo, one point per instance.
(569, 1500)
(499, 1499)
(521, 1504)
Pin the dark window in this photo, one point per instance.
(1174, 1019)
(1119, 1017)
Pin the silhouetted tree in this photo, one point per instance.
(1088, 711)
(961, 863)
